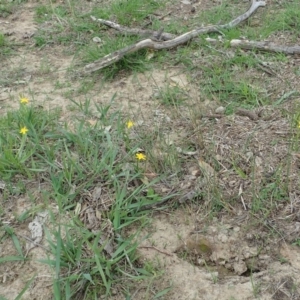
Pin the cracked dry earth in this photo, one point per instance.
(235, 256)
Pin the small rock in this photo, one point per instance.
(236, 229)
(222, 237)
(139, 122)
(220, 110)
(214, 230)
(239, 267)
(249, 236)
(228, 266)
(211, 275)
(156, 95)
(114, 292)
(219, 157)
(232, 183)
(201, 262)
(250, 252)
(97, 40)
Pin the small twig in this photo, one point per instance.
(159, 18)
(135, 31)
(243, 202)
(213, 116)
(152, 247)
(214, 49)
(33, 242)
(279, 289)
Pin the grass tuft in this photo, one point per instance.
(70, 160)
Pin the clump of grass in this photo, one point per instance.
(36, 145)
(2, 40)
(173, 95)
(4, 45)
(6, 8)
(129, 11)
(70, 27)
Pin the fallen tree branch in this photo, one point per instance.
(164, 36)
(265, 46)
(168, 44)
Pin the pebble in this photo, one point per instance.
(223, 238)
(96, 39)
(236, 229)
(220, 110)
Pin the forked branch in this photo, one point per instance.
(166, 41)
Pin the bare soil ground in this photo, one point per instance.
(240, 254)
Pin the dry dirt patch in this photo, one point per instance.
(180, 250)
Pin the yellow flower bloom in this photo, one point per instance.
(298, 124)
(24, 100)
(23, 130)
(140, 156)
(129, 124)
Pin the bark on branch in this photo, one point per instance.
(146, 33)
(265, 46)
(166, 41)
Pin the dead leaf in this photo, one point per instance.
(72, 190)
(189, 153)
(77, 209)
(145, 180)
(179, 81)
(92, 219)
(107, 244)
(92, 122)
(258, 161)
(149, 55)
(98, 215)
(240, 190)
(150, 175)
(36, 229)
(96, 193)
(206, 169)
(107, 128)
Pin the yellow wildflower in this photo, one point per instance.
(23, 130)
(140, 156)
(298, 124)
(24, 100)
(129, 124)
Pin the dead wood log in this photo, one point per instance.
(168, 44)
(265, 46)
